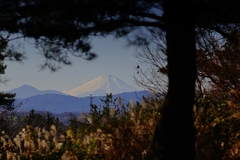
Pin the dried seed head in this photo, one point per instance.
(112, 111)
(120, 102)
(90, 120)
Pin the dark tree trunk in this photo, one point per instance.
(175, 134)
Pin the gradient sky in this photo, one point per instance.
(114, 58)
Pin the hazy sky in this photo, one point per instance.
(114, 58)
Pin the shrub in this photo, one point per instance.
(217, 125)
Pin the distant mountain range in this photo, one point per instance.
(26, 91)
(98, 86)
(56, 103)
(77, 99)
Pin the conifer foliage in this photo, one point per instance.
(6, 99)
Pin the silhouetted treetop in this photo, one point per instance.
(63, 27)
(75, 20)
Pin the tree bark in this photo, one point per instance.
(175, 133)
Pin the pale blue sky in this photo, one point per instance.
(114, 58)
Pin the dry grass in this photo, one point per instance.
(115, 132)
(108, 133)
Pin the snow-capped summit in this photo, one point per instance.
(100, 86)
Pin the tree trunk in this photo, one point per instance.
(175, 134)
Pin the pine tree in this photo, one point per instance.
(6, 99)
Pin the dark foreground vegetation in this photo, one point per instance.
(118, 131)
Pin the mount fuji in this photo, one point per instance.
(100, 86)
